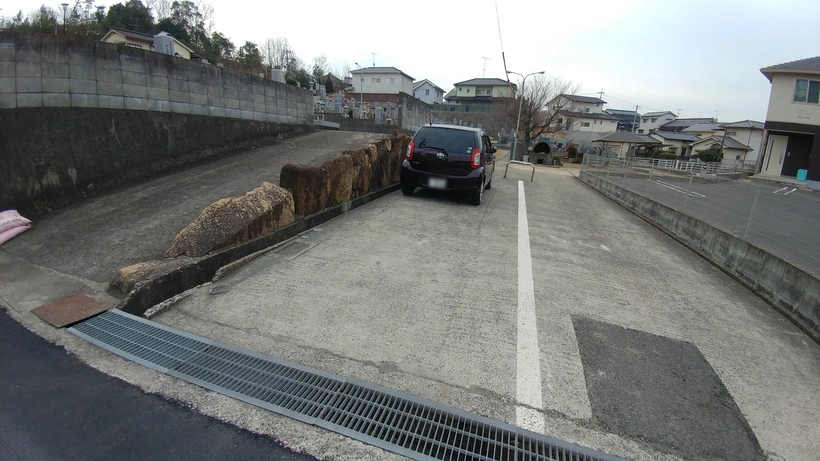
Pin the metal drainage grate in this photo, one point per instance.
(394, 421)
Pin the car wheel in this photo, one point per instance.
(475, 199)
(407, 190)
(489, 184)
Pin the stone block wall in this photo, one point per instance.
(38, 70)
(413, 113)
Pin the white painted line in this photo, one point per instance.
(780, 190)
(789, 192)
(678, 189)
(528, 367)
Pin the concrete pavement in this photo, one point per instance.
(423, 294)
(94, 238)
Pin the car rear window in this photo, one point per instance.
(447, 139)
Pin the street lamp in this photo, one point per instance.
(361, 92)
(520, 103)
(65, 10)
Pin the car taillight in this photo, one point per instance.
(410, 148)
(475, 160)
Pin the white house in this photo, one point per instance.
(792, 127)
(381, 84)
(651, 121)
(704, 130)
(428, 92)
(145, 42)
(749, 133)
(582, 114)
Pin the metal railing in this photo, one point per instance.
(782, 218)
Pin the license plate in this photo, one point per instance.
(437, 183)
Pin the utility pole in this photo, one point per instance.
(635, 120)
(601, 94)
(374, 58)
(484, 72)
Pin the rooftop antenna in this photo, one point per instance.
(503, 58)
(484, 72)
(374, 58)
(679, 112)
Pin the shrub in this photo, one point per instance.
(711, 155)
(572, 151)
(291, 81)
(665, 156)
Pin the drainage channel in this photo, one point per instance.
(395, 421)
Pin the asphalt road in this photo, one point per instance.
(783, 221)
(53, 407)
(92, 239)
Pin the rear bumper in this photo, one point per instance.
(469, 183)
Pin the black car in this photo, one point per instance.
(449, 157)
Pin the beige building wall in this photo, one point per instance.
(782, 107)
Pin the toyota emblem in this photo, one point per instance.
(440, 155)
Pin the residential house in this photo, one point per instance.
(675, 143)
(428, 92)
(582, 114)
(749, 133)
(732, 149)
(337, 84)
(792, 127)
(652, 121)
(704, 130)
(146, 42)
(625, 144)
(628, 120)
(478, 95)
(680, 124)
(381, 84)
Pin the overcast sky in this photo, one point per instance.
(696, 56)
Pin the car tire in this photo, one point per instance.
(476, 196)
(407, 190)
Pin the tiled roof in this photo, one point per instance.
(744, 124)
(380, 70)
(686, 122)
(627, 137)
(657, 114)
(728, 142)
(807, 65)
(485, 82)
(702, 127)
(675, 136)
(588, 99)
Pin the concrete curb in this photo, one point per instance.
(149, 293)
(790, 290)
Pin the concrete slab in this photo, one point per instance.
(102, 234)
(421, 294)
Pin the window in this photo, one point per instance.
(376, 80)
(468, 90)
(807, 91)
(586, 110)
(731, 133)
(391, 81)
(737, 157)
(640, 131)
(584, 123)
(654, 120)
(596, 104)
(672, 150)
(644, 120)
(427, 92)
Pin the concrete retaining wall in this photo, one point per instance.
(39, 70)
(413, 113)
(50, 157)
(792, 291)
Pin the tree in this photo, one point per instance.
(329, 85)
(276, 52)
(132, 15)
(162, 8)
(319, 68)
(186, 15)
(541, 107)
(221, 46)
(249, 56)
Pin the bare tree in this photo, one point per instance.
(161, 8)
(542, 106)
(208, 15)
(320, 67)
(276, 52)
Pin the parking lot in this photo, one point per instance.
(783, 220)
(547, 307)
